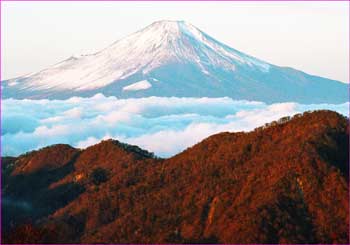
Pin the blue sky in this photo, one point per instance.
(310, 36)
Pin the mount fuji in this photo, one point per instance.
(174, 58)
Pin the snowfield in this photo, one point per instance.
(144, 84)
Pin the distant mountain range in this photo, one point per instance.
(174, 58)
(286, 182)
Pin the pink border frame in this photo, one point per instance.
(148, 1)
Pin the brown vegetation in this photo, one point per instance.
(286, 182)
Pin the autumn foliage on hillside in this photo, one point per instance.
(286, 182)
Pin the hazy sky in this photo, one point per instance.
(310, 36)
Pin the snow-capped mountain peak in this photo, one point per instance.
(159, 43)
(176, 59)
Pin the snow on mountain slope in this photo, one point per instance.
(141, 85)
(186, 61)
(145, 50)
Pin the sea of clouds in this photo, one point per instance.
(165, 126)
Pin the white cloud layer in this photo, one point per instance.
(164, 126)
